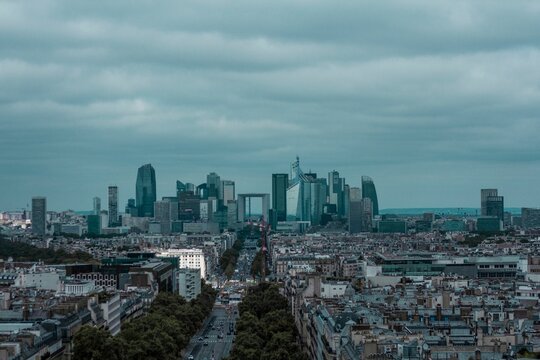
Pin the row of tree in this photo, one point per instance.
(259, 263)
(20, 251)
(230, 257)
(266, 329)
(161, 334)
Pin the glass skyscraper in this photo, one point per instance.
(145, 190)
(113, 206)
(280, 183)
(368, 191)
(39, 215)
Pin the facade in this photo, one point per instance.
(228, 192)
(188, 258)
(280, 183)
(165, 213)
(145, 190)
(94, 224)
(111, 308)
(336, 192)
(306, 196)
(369, 191)
(484, 195)
(97, 205)
(355, 210)
(232, 213)
(488, 224)
(188, 206)
(189, 283)
(113, 206)
(367, 215)
(392, 226)
(39, 215)
(213, 185)
(495, 207)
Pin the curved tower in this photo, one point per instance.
(145, 190)
(368, 191)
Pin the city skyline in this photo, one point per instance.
(431, 110)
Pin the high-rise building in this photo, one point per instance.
(336, 192)
(280, 182)
(213, 184)
(39, 215)
(484, 194)
(227, 192)
(145, 190)
(232, 213)
(530, 218)
(166, 212)
(202, 191)
(355, 210)
(495, 207)
(97, 205)
(206, 210)
(113, 206)
(367, 215)
(368, 191)
(188, 206)
(131, 208)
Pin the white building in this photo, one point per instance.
(111, 313)
(41, 280)
(189, 283)
(77, 287)
(188, 258)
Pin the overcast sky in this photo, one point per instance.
(433, 99)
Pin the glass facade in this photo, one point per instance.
(146, 190)
(280, 183)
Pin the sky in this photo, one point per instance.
(432, 99)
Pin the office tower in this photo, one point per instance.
(336, 192)
(93, 223)
(188, 206)
(530, 218)
(202, 191)
(213, 184)
(206, 210)
(180, 186)
(367, 215)
(165, 213)
(346, 200)
(495, 207)
(232, 213)
(39, 215)
(368, 191)
(131, 208)
(145, 190)
(316, 199)
(113, 206)
(355, 210)
(484, 194)
(227, 191)
(97, 205)
(280, 183)
(306, 196)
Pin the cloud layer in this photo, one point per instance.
(434, 100)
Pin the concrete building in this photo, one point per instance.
(188, 258)
(189, 283)
(113, 206)
(484, 195)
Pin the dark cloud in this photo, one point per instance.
(434, 100)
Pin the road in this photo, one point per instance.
(207, 344)
(215, 340)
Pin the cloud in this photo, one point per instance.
(421, 95)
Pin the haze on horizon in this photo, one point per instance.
(433, 100)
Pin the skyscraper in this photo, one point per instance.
(280, 183)
(113, 206)
(213, 184)
(495, 207)
(368, 191)
(228, 191)
(165, 213)
(39, 215)
(145, 190)
(336, 192)
(484, 194)
(355, 210)
(97, 205)
(367, 215)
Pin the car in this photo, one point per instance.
(205, 343)
(200, 338)
(191, 357)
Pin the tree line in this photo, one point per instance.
(159, 335)
(266, 329)
(20, 251)
(228, 260)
